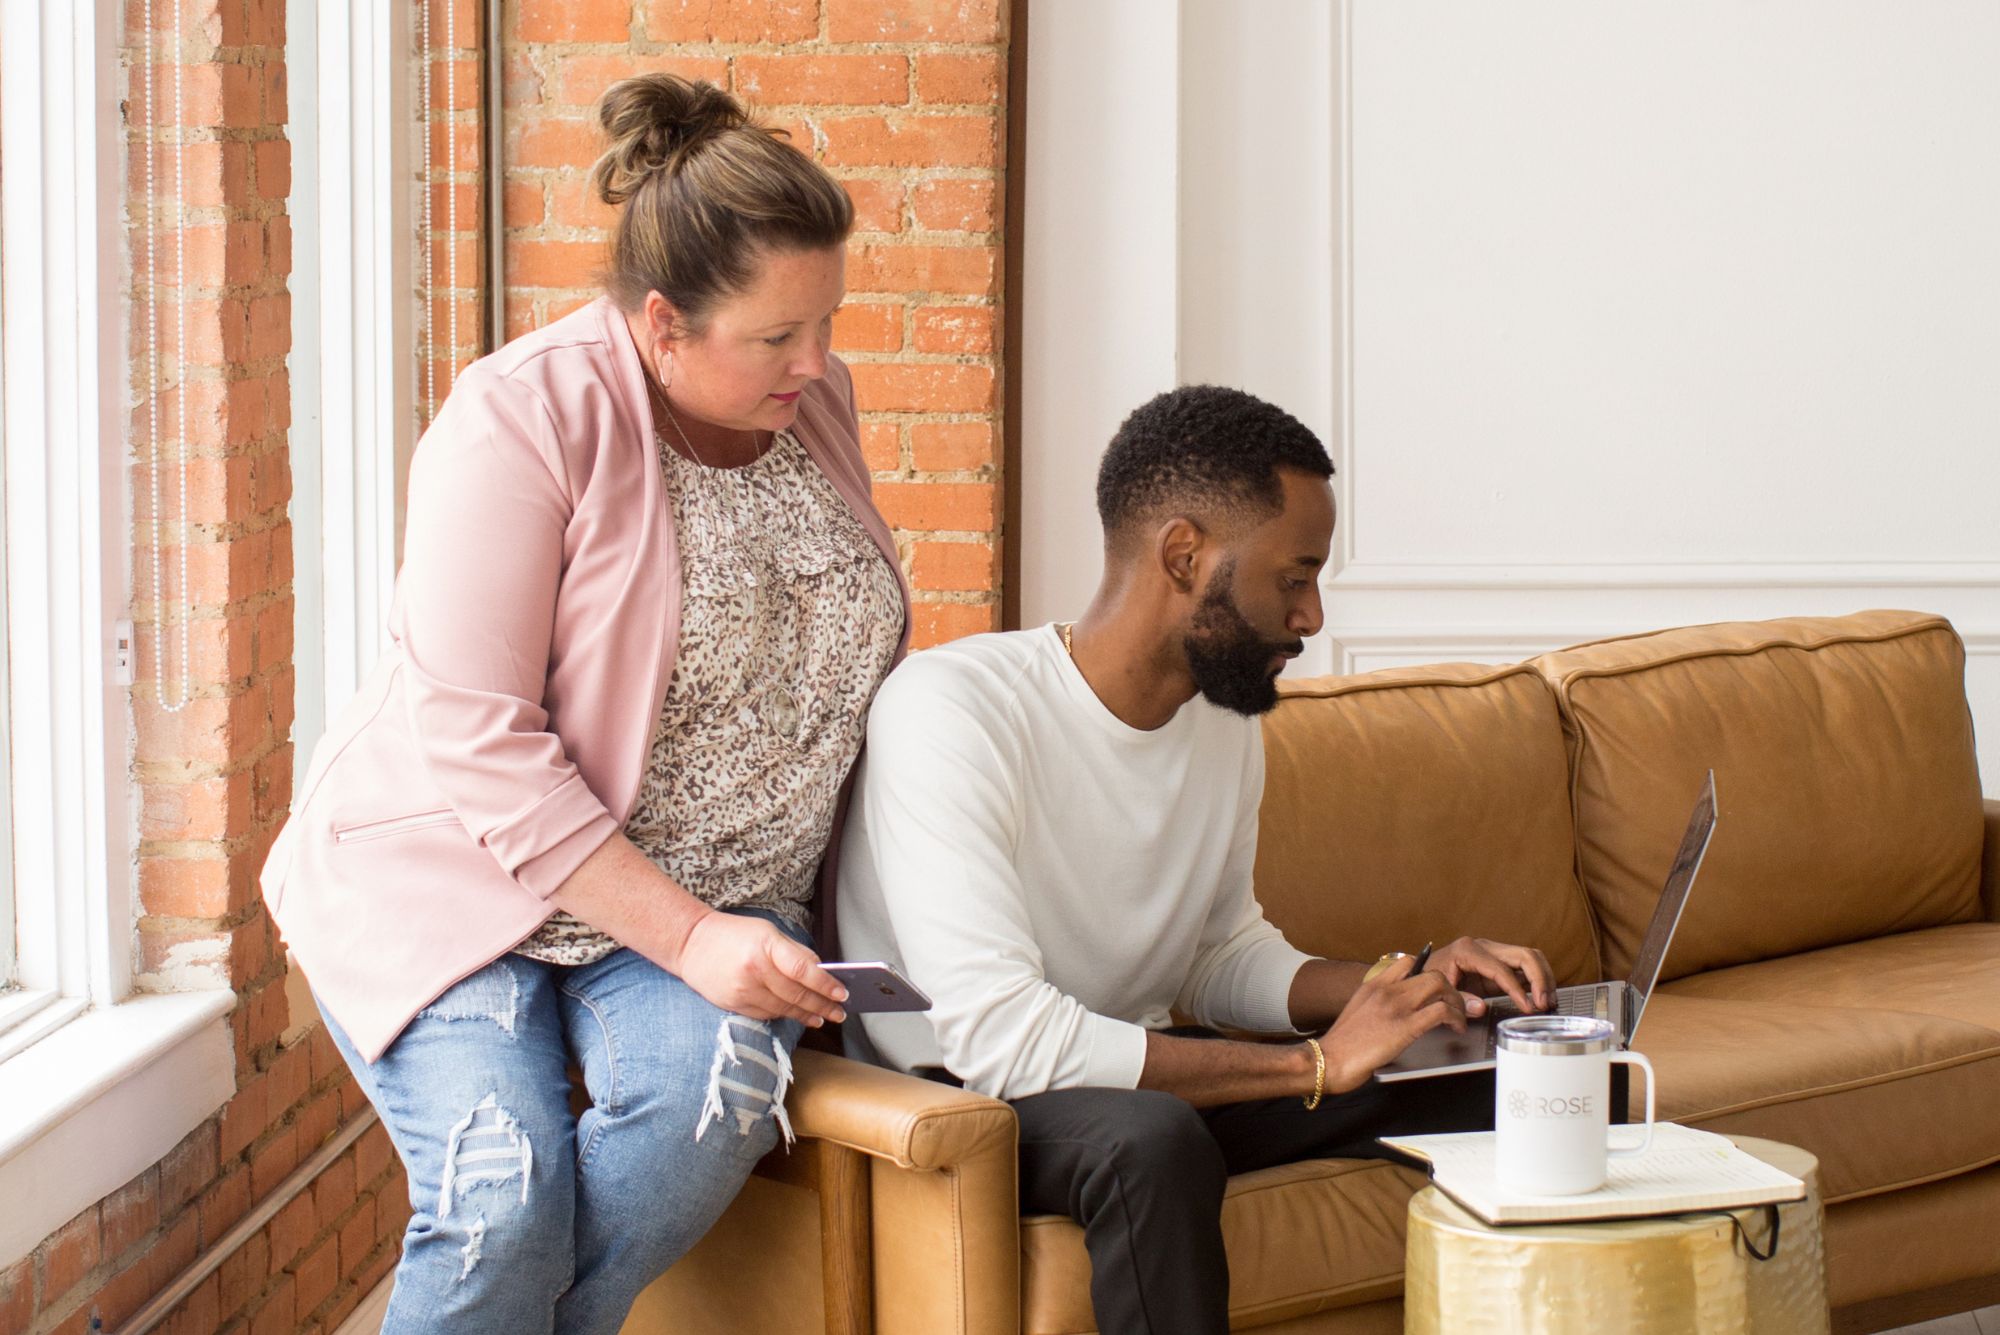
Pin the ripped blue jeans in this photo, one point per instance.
(527, 1218)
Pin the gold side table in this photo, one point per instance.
(1662, 1276)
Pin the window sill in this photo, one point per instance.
(97, 1102)
(27, 1016)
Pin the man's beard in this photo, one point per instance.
(1230, 661)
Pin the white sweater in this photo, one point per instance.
(1055, 879)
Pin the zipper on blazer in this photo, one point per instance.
(381, 829)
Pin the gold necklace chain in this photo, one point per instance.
(668, 406)
(693, 453)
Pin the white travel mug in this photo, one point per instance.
(1552, 1097)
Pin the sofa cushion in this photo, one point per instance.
(1421, 804)
(1301, 1238)
(1950, 972)
(1882, 1058)
(1845, 775)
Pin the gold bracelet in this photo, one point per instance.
(1319, 1075)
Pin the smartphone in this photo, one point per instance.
(875, 986)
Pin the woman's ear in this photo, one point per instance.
(663, 322)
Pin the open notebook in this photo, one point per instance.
(1684, 1170)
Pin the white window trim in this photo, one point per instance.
(352, 366)
(354, 363)
(66, 500)
(86, 1106)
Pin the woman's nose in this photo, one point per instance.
(812, 364)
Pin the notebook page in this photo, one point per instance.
(1685, 1169)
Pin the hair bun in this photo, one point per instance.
(654, 122)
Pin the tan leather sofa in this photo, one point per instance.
(1835, 983)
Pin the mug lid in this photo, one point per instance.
(1556, 1035)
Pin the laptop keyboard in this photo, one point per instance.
(1569, 1001)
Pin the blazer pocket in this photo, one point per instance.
(382, 829)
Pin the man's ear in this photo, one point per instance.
(1179, 546)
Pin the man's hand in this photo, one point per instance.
(1521, 972)
(1386, 1015)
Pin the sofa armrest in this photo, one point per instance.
(1989, 867)
(909, 1122)
(920, 1208)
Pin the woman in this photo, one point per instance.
(576, 812)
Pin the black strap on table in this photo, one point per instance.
(1771, 1213)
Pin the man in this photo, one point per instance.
(1053, 836)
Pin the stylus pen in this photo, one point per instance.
(1423, 958)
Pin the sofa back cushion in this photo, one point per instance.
(1846, 783)
(1421, 804)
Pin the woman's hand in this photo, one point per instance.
(748, 966)
(740, 963)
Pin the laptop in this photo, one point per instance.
(1441, 1052)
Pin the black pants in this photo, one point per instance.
(1143, 1172)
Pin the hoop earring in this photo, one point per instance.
(665, 370)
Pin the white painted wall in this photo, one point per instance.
(1178, 215)
(1615, 317)
(1097, 324)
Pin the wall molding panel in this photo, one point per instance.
(1596, 375)
(1720, 575)
(1608, 326)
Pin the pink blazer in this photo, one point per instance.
(500, 739)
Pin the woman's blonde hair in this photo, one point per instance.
(703, 192)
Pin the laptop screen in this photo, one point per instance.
(1687, 860)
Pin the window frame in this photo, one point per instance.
(353, 380)
(70, 801)
(354, 329)
(96, 1083)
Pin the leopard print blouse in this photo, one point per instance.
(790, 619)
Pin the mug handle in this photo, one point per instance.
(1638, 1059)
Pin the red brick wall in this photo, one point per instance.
(455, 150)
(902, 100)
(215, 777)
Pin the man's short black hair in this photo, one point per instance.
(1199, 450)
